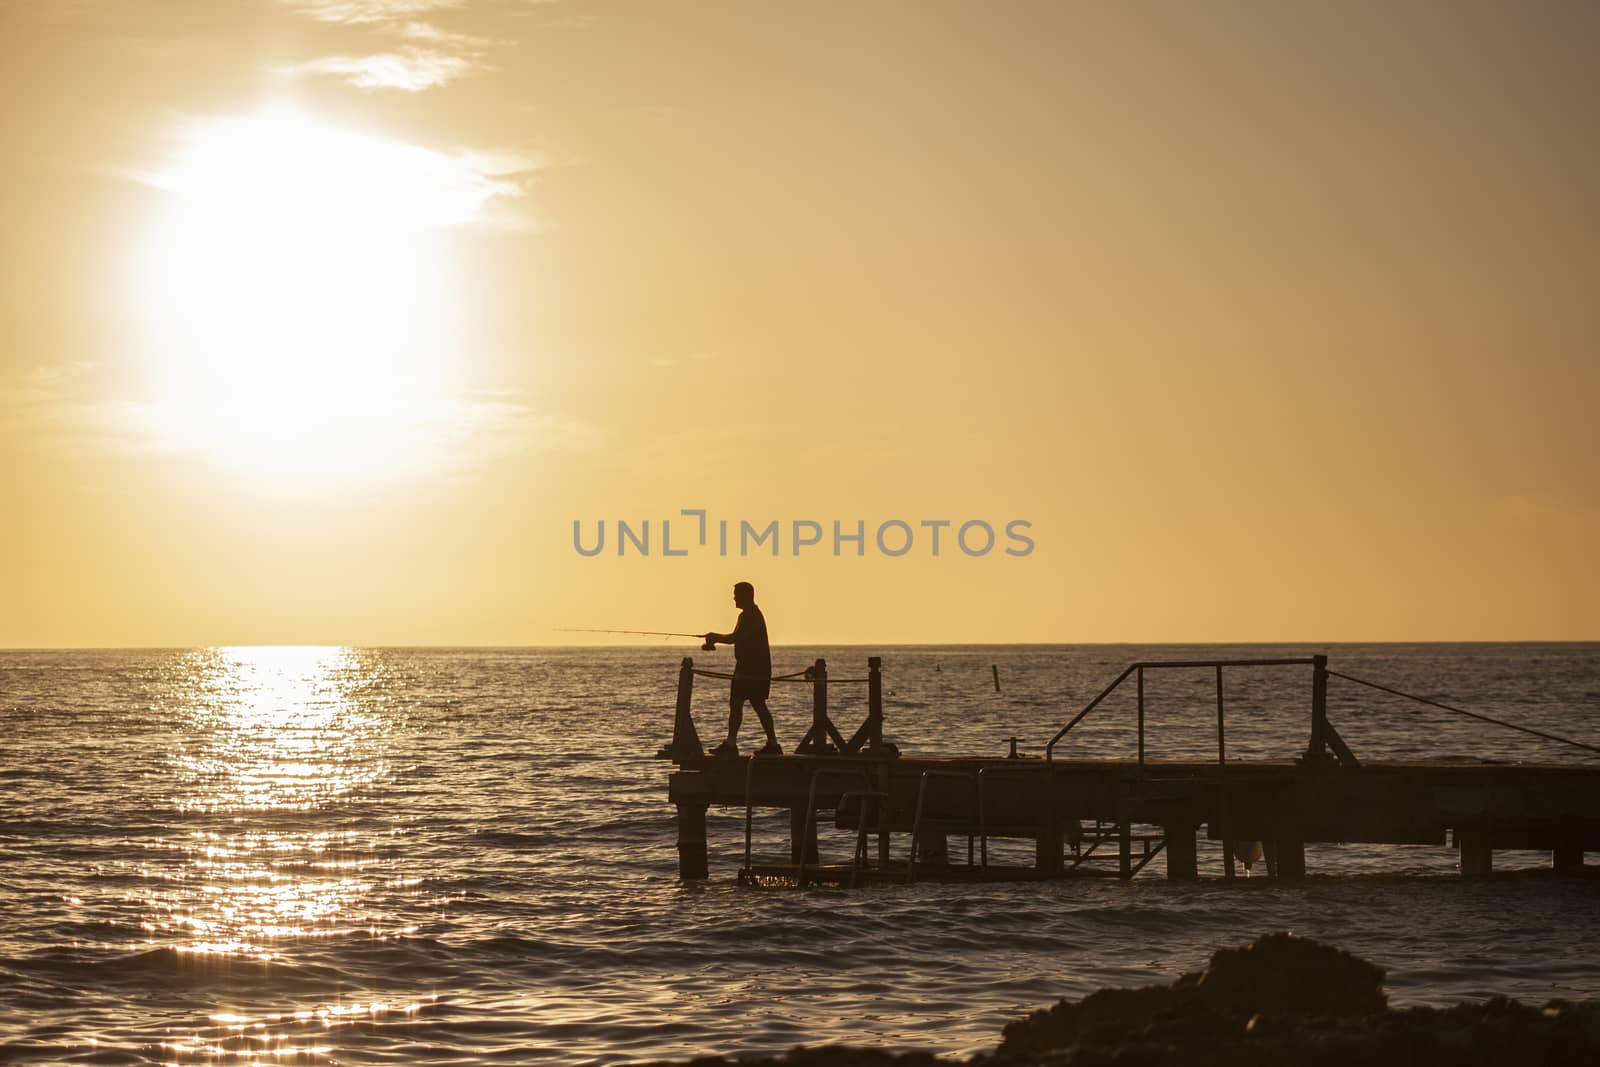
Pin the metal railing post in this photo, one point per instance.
(1141, 722)
(1222, 786)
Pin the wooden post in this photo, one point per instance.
(1289, 857)
(1182, 862)
(1047, 854)
(1047, 846)
(685, 739)
(819, 703)
(802, 845)
(883, 814)
(933, 848)
(692, 864)
(995, 667)
(1567, 857)
(1124, 831)
(1318, 749)
(869, 735)
(874, 740)
(1476, 856)
(816, 739)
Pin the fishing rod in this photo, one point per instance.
(707, 647)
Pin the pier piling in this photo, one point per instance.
(692, 863)
(1288, 857)
(1182, 859)
(1476, 856)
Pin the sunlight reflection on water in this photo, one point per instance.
(275, 728)
(267, 730)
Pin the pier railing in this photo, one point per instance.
(1323, 735)
(823, 737)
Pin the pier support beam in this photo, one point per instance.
(933, 848)
(1047, 854)
(1476, 857)
(1182, 860)
(1567, 858)
(802, 845)
(1286, 856)
(692, 864)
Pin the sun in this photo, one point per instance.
(297, 296)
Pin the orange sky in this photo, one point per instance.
(325, 319)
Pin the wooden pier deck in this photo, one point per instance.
(1110, 817)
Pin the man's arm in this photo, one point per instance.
(726, 639)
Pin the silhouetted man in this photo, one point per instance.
(752, 671)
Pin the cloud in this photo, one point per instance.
(427, 31)
(677, 361)
(363, 12)
(476, 430)
(411, 70)
(56, 408)
(436, 57)
(52, 406)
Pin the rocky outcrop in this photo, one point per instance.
(1284, 999)
(1279, 1000)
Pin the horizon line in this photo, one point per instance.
(799, 644)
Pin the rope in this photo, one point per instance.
(1468, 714)
(797, 676)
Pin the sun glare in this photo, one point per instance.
(297, 296)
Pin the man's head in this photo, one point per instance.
(744, 594)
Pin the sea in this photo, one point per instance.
(446, 856)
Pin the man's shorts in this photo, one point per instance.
(748, 689)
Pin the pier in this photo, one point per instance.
(935, 818)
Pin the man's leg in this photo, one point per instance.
(760, 704)
(735, 711)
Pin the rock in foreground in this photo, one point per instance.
(1279, 1000)
(1285, 999)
